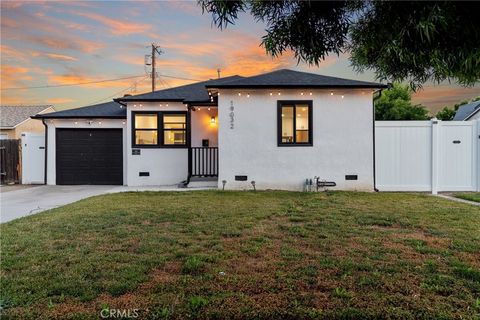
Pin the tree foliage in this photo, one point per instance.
(396, 104)
(400, 41)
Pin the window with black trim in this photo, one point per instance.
(295, 123)
(174, 129)
(159, 129)
(145, 129)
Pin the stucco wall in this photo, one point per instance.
(342, 140)
(79, 123)
(202, 128)
(166, 166)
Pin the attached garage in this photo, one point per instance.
(89, 156)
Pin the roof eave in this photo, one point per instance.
(41, 116)
(120, 100)
(472, 114)
(365, 86)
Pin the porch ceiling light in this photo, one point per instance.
(331, 93)
(239, 94)
(301, 93)
(271, 93)
(212, 120)
(310, 93)
(343, 96)
(248, 95)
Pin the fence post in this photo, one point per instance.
(435, 151)
(477, 144)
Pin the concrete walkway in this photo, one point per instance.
(444, 196)
(27, 201)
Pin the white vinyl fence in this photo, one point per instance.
(427, 155)
(33, 158)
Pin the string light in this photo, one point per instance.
(123, 122)
(331, 93)
(271, 93)
(99, 122)
(248, 95)
(140, 105)
(310, 93)
(166, 105)
(76, 122)
(239, 94)
(134, 105)
(301, 93)
(342, 96)
(208, 108)
(279, 94)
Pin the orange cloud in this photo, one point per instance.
(13, 76)
(63, 57)
(59, 100)
(436, 97)
(117, 26)
(60, 43)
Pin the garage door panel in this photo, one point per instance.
(89, 156)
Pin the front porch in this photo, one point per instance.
(202, 146)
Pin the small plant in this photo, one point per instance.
(341, 293)
(196, 303)
(477, 303)
(193, 265)
(50, 304)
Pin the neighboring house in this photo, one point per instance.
(276, 129)
(16, 119)
(470, 111)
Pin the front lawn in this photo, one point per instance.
(238, 255)
(472, 196)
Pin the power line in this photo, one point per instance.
(166, 76)
(73, 84)
(92, 82)
(119, 92)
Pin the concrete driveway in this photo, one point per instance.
(27, 201)
(17, 202)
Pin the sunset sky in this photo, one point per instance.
(57, 43)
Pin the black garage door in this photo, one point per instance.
(89, 156)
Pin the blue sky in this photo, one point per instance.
(58, 43)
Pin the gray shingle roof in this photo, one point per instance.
(103, 110)
(195, 92)
(11, 116)
(285, 78)
(466, 111)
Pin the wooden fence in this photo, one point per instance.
(10, 161)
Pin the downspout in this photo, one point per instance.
(373, 130)
(46, 150)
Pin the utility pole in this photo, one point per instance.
(218, 73)
(155, 49)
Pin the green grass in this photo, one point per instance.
(262, 255)
(471, 196)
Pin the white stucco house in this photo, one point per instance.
(277, 129)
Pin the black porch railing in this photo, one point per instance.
(203, 162)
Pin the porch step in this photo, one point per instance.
(204, 182)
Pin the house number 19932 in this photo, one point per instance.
(232, 115)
